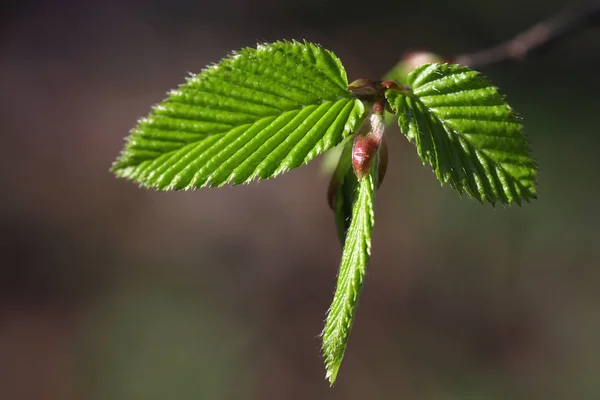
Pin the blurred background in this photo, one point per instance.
(108, 291)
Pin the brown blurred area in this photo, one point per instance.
(108, 291)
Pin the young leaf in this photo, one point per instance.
(355, 257)
(254, 115)
(342, 190)
(462, 126)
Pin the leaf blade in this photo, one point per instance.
(355, 257)
(466, 131)
(209, 131)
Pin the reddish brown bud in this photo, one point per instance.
(378, 108)
(363, 87)
(363, 152)
(360, 84)
(367, 141)
(390, 85)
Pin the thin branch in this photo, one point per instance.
(540, 36)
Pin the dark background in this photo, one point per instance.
(108, 291)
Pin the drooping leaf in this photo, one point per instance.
(359, 172)
(342, 191)
(464, 128)
(254, 115)
(355, 257)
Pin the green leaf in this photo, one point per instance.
(355, 257)
(463, 127)
(343, 189)
(254, 115)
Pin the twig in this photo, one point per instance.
(537, 37)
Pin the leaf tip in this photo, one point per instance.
(331, 374)
(119, 168)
